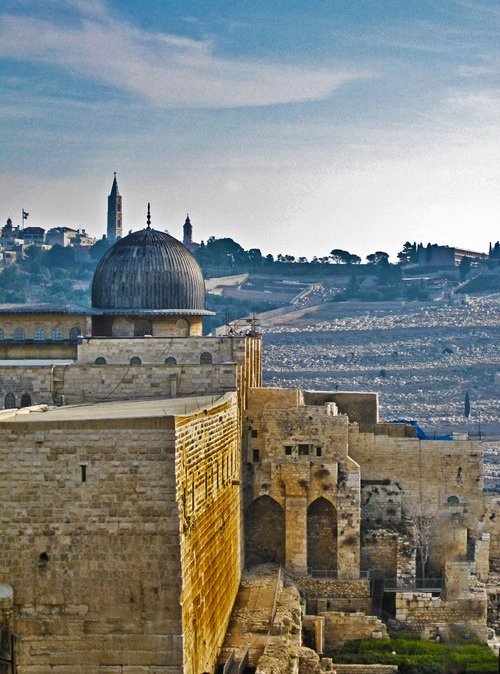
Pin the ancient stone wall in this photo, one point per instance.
(208, 475)
(443, 479)
(361, 408)
(340, 595)
(296, 455)
(48, 323)
(379, 550)
(90, 544)
(419, 609)
(342, 627)
(492, 526)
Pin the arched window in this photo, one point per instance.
(264, 532)
(74, 333)
(143, 327)
(39, 334)
(25, 400)
(19, 333)
(205, 358)
(135, 360)
(100, 360)
(2, 335)
(170, 361)
(10, 401)
(57, 334)
(453, 500)
(182, 328)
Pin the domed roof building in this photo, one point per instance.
(150, 275)
(149, 270)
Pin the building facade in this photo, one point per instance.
(144, 467)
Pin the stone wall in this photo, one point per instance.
(420, 609)
(296, 455)
(492, 526)
(361, 408)
(379, 550)
(342, 627)
(365, 669)
(340, 595)
(428, 473)
(208, 465)
(46, 322)
(90, 544)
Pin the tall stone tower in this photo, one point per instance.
(188, 232)
(114, 230)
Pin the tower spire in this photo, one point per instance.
(114, 229)
(148, 220)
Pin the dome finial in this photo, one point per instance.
(149, 216)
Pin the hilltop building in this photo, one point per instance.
(114, 227)
(187, 238)
(433, 255)
(144, 467)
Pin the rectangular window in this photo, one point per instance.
(288, 450)
(319, 451)
(256, 455)
(254, 433)
(304, 450)
(83, 469)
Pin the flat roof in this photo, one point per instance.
(116, 409)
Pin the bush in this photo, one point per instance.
(415, 656)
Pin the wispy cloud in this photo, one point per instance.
(166, 69)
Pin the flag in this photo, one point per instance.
(25, 215)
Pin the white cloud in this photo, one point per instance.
(168, 70)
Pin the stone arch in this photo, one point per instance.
(19, 333)
(135, 360)
(25, 400)
(57, 334)
(170, 361)
(206, 358)
(74, 333)
(264, 532)
(142, 327)
(100, 360)
(10, 401)
(322, 535)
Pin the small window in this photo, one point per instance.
(452, 500)
(319, 451)
(83, 472)
(143, 327)
(39, 334)
(304, 450)
(182, 328)
(10, 401)
(170, 361)
(25, 400)
(135, 360)
(2, 334)
(256, 455)
(57, 334)
(254, 433)
(288, 450)
(19, 333)
(74, 333)
(100, 360)
(205, 358)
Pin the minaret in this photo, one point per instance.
(188, 232)
(114, 230)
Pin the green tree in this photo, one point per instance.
(408, 253)
(379, 257)
(339, 256)
(467, 405)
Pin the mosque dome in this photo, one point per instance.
(149, 270)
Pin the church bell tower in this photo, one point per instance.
(114, 230)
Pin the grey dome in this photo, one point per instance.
(148, 270)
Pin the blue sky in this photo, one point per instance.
(296, 127)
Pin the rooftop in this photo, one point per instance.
(128, 409)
